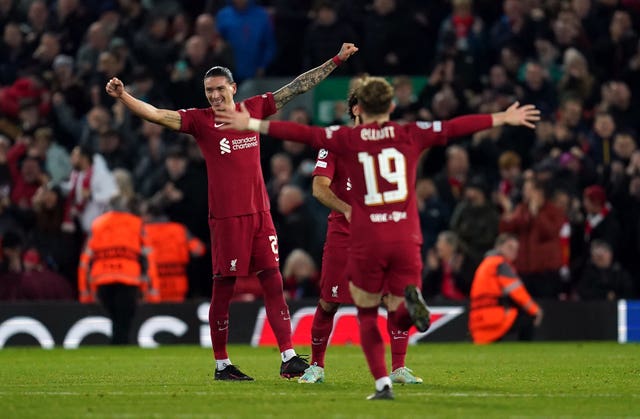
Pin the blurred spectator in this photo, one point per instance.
(405, 101)
(109, 65)
(291, 16)
(281, 174)
(154, 47)
(218, 49)
(300, 275)
(451, 180)
(149, 156)
(443, 279)
(601, 139)
(613, 50)
(538, 90)
(37, 23)
(388, 34)
(600, 222)
(247, 28)
(38, 283)
(510, 166)
(536, 223)
(13, 56)
(326, 33)
(11, 266)
(70, 19)
(514, 27)
(475, 221)
(616, 99)
(603, 278)
(96, 41)
(434, 214)
(57, 161)
(294, 223)
(91, 185)
(27, 172)
(577, 81)
(114, 151)
(186, 76)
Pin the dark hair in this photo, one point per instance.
(505, 237)
(219, 71)
(86, 151)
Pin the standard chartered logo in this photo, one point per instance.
(225, 148)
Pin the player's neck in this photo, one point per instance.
(379, 119)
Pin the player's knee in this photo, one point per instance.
(329, 308)
(393, 301)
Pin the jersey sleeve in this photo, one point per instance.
(261, 106)
(316, 137)
(432, 133)
(325, 164)
(187, 120)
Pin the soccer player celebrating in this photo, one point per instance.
(243, 237)
(380, 158)
(330, 186)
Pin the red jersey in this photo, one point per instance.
(234, 176)
(329, 166)
(381, 162)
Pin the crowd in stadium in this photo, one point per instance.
(570, 189)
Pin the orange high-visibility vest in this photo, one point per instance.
(116, 251)
(172, 246)
(495, 283)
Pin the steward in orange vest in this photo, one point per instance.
(117, 264)
(498, 296)
(172, 246)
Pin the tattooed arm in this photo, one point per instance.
(306, 81)
(167, 118)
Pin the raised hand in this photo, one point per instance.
(521, 115)
(114, 87)
(347, 50)
(233, 119)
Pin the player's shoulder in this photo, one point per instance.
(196, 112)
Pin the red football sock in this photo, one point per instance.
(320, 332)
(402, 317)
(371, 341)
(219, 314)
(399, 339)
(276, 307)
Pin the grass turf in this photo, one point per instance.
(461, 380)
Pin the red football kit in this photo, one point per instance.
(334, 285)
(381, 161)
(243, 238)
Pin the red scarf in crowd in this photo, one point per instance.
(73, 206)
(593, 221)
(449, 289)
(462, 25)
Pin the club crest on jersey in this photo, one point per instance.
(334, 291)
(323, 153)
(225, 148)
(233, 267)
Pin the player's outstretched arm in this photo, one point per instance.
(165, 117)
(517, 115)
(309, 79)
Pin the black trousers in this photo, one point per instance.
(121, 302)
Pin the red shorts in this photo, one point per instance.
(334, 285)
(386, 268)
(243, 245)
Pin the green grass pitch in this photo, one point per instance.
(461, 380)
